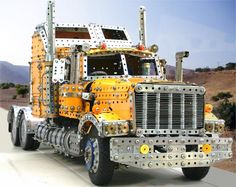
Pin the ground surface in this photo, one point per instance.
(6, 98)
(44, 168)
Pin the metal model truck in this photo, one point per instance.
(94, 94)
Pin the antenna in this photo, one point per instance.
(142, 26)
(50, 31)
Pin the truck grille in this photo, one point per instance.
(169, 110)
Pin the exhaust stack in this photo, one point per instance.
(142, 26)
(179, 61)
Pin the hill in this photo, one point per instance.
(215, 82)
(13, 73)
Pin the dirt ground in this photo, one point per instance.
(6, 101)
(6, 98)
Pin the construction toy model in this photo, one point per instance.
(93, 94)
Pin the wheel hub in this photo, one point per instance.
(91, 155)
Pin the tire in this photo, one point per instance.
(97, 159)
(12, 128)
(195, 173)
(15, 134)
(27, 141)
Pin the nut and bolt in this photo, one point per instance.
(150, 141)
(201, 140)
(169, 164)
(170, 149)
(115, 142)
(150, 164)
(201, 155)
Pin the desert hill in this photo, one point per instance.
(215, 82)
(13, 73)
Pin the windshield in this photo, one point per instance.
(140, 66)
(112, 65)
(105, 65)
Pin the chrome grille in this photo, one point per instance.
(169, 110)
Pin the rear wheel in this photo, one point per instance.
(27, 141)
(14, 133)
(97, 159)
(195, 173)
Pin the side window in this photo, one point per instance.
(105, 65)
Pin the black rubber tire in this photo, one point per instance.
(14, 132)
(105, 168)
(15, 135)
(195, 173)
(27, 142)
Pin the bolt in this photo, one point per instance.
(200, 155)
(183, 149)
(128, 149)
(213, 140)
(169, 164)
(201, 140)
(230, 154)
(183, 156)
(182, 164)
(136, 157)
(137, 141)
(183, 140)
(115, 141)
(230, 140)
(150, 141)
(170, 157)
(116, 157)
(170, 141)
(170, 149)
(150, 164)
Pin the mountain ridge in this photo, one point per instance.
(17, 74)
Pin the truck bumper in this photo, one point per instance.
(169, 152)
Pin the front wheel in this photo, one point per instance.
(195, 173)
(97, 159)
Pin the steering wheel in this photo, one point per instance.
(98, 73)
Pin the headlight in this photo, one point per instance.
(116, 128)
(216, 126)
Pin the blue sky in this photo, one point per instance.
(207, 28)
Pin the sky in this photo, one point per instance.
(206, 28)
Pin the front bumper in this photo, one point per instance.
(177, 151)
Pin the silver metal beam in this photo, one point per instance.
(142, 26)
(170, 108)
(194, 108)
(145, 108)
(50, 31)
(157, 120)
(182, 101)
